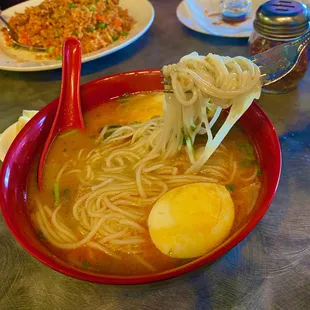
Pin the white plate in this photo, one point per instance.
(141, 10)
(187, 18)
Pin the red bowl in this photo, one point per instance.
(29, 141)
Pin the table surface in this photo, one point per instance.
(270, 269)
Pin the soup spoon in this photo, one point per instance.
(69, 113)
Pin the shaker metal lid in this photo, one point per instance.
(281, 19)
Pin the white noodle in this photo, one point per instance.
(132, 166)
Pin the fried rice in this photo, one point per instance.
(96, 23)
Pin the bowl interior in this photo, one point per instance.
(28, 143)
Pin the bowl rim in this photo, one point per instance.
(145, 278)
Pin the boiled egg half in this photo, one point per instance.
(191, 220)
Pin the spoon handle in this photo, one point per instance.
(69, 114)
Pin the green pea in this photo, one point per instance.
(101, 25)
(72, 5)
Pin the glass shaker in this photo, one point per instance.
(277, 22)
(235, 11)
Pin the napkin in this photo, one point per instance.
(7, 137)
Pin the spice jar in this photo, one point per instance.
(277, 22)
(235, 11)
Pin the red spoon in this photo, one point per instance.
(69, 114)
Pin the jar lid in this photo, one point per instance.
(282, 19)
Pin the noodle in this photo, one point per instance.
(132, 166)
(237, 83)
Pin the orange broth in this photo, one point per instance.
(122, 111)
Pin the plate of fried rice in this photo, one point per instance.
(102, 26)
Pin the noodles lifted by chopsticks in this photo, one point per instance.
(214, 83)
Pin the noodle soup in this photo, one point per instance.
(97, 195)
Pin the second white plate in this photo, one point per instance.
(187, 18)
(9, 58)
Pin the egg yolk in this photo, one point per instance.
(191, 220)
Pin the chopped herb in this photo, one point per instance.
(193, 127)
(183, 135)
(66, 191)
(122, 99)
(107, 1)
(190, 147)
(72, 5)
(189, 142)
(259, 172)
(51, 49)
(101, 26)
(75, 33)
(57, 34)
(230, 187)
(68, 133)
(56, 194)
(92, 7)
(65, 150)
(41, 235)
(248, 150)
(90, 29)
(96, 1)
(207, 110)
(115, 38)
(124, 33)
(59, 57)
(85, 264)
(114, 126)
(108, 134)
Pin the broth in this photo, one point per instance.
(244, 187)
